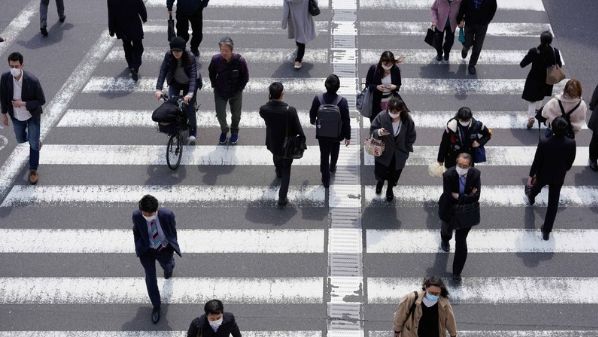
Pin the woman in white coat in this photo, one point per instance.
(300, 24)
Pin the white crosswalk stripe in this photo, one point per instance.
(175, 333)
(506, 29)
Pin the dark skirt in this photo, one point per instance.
(389, 173)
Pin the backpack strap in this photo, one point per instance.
(568, 114)
(412, 308)
(338, 99)
(321, 98)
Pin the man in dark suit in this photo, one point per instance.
(124, 20)
(475, 16)
(280, 118)
(214, 323)
(554, 157)
(154, 231)
(21, 98)
(461, 185)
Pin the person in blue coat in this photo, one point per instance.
(154, 232)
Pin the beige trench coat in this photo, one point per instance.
(409, 328)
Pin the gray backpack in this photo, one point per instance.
(328, 119)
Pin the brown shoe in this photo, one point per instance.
(530, 122)
(33, 177)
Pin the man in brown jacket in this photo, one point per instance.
(425, 313)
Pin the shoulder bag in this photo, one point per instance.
(554, 73)
(293, 146)
(363, 102)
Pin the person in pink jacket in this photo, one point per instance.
(444, 23)
(573, 106)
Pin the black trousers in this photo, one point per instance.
(300, 51)
(474, 36)
(283, 168)
(554, 194)
(329, 149)
(594, 147)
(446, 233)
(182, 27)
(389, 172)
(133, 52)
(165, 258)
(449, 39)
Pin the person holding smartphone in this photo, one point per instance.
(384, 80)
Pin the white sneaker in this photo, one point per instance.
(191, 140)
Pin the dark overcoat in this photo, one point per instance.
(398, 146)
(535, 84)
(124, 18)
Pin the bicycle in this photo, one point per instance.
(177, 130)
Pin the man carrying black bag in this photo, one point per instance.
(459, 208)
(281, 122)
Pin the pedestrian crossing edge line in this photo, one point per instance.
(56, 108)
(17, 25)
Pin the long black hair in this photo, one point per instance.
(395, 103)
(387, 56)
(545, 47)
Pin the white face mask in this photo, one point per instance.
(464, 123)
(461, 171)
(15, 72)
(216, 324)
(385, 67)
(150, 218)
(394, 115)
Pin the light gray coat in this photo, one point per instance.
(300, 23)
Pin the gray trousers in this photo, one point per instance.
(235, 103)
(43, 11)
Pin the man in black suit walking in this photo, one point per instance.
(214, 323)
(124, 20)
(281, 120)
(554, 157)
(461, 185)
(475, 16)
(154, 231)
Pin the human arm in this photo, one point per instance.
(141, 10)
(411, 135)
(110, 18)
(244, 76)
(474, 195)
(594, 100)
(486, 135)
(450, 323)
(192, 80)
(346, 121)
(39, 100)
(528, 58)
(313, 111)
(434, 11)
(194, 327)
(376, 129)
(443, 147)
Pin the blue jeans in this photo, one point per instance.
(192, 119)
(29, 131)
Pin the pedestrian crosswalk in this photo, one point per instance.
(278, 267)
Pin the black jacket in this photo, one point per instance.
(593, 122)
(343, 106)
(228, 327)
(374, 78)
(228, 78)
(31, 93)
(457, 139)
(450, 184)
(141, 236)
(278, 115)
(168, 68)
(399, 146)
(535, 84)
(124, 18)
(187, 7)
(554, 157)
(473, 16)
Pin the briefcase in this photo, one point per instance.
(171, 31)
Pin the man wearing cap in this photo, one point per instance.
(154, 232)
(189, 11)
(228, 76)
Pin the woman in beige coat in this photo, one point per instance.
(572, 102)
(425, 313)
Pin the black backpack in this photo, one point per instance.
(567, 117)
(328, 119)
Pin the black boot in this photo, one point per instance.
(379, 186)
(389, 193)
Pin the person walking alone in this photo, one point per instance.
(593, 125)
(281, 121)
(155, 236)
(229, 76)
(535, 88)
(22, 98)
(475, 16)
(425, 313)
(338, 107)
(444, 24)
(301, 27)
(554, 157)
(461, 185)
(396, 128)
(384, 80)
(124, 20)
(215, 322)
(189, 11)
(569, 105)
(43, 14)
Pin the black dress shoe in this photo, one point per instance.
(332, 169)
(44, 31)
(471, 70)
(62, 18)
(438, 57)
(134, 74)
(457, 278)
(545, 235)
(445, 246)
(168, 274)
(389, 194)
(464, 52)
(195, 52)
(379, 186)
(155, 315)
(283, 202)
(593, 165)
(446, 56)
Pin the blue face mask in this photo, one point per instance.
(433, 298)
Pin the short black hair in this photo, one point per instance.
(464, 114)
(546, 38)
(559, 126)
(332, 83)
(275, 89)
(213, 307)
(435, 281)
(148, 204)
(15, 56)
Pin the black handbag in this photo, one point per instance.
(293, 146)
(431, 38)
(313, 8)
(465, 215)
(171, 33)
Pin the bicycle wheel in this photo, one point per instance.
(174, 151)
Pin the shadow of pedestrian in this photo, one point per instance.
(162, 175)
(55, 34)
(142, 320)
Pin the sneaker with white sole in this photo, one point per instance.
(191, 140)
